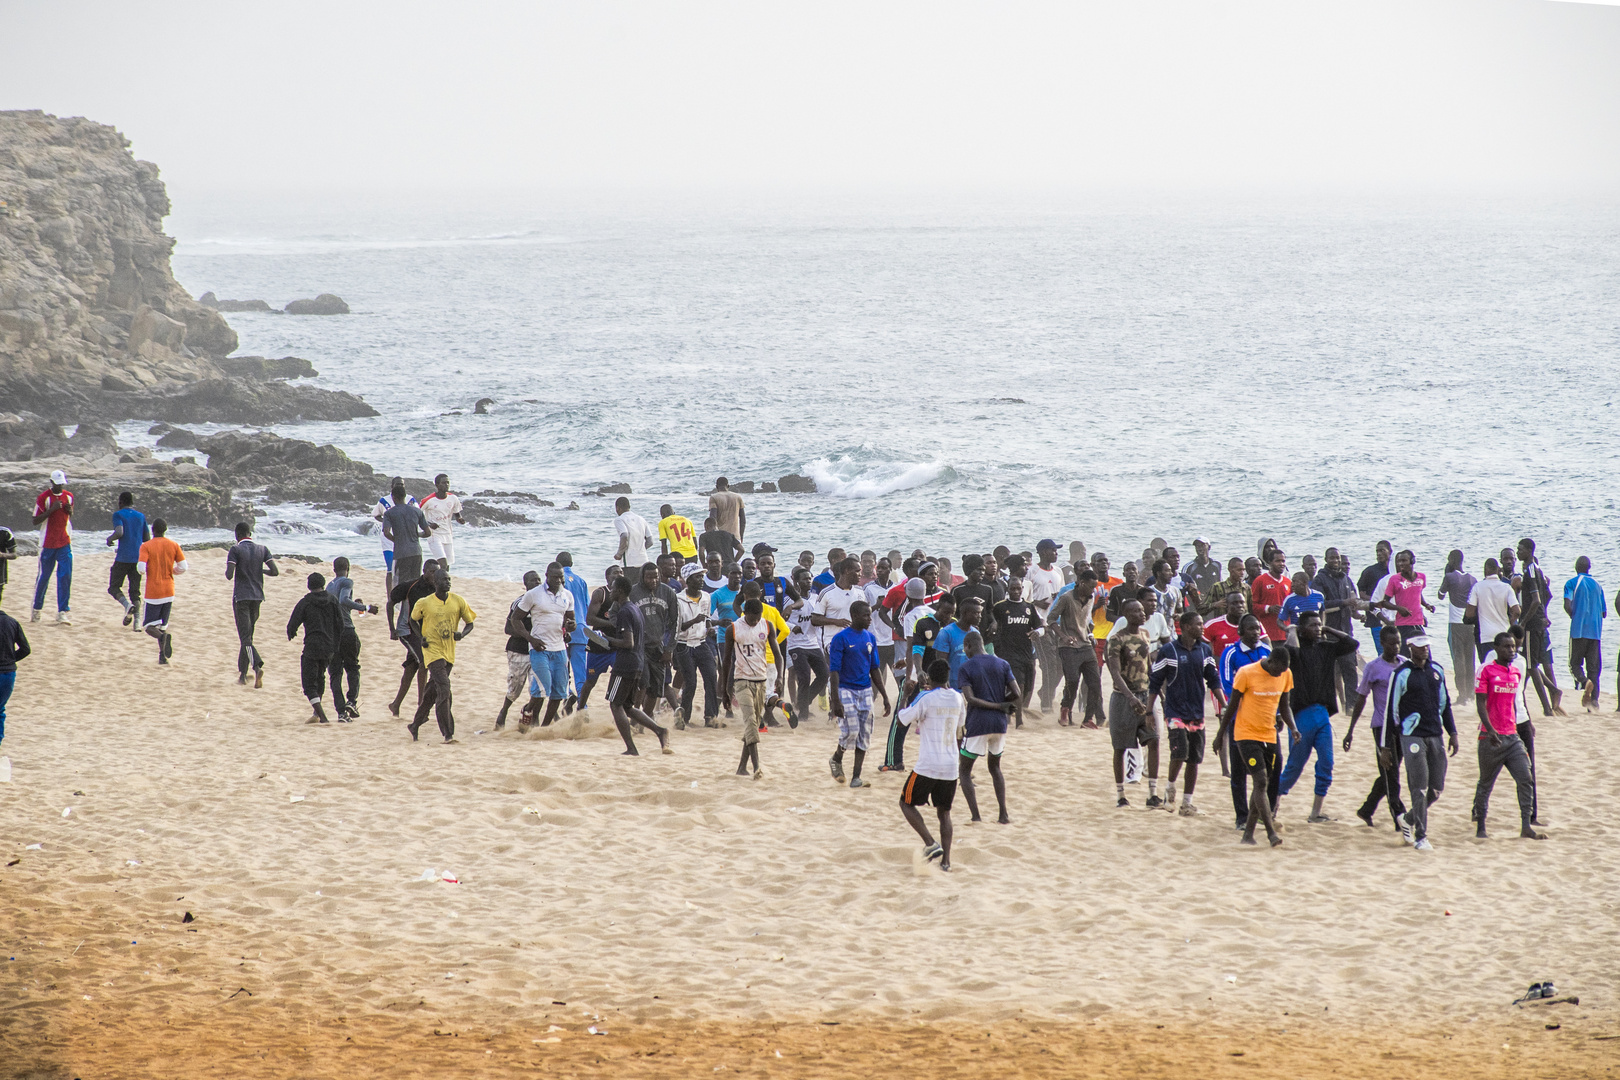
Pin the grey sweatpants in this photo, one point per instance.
(1425, 777)
(1511, 755)
(1460, 637)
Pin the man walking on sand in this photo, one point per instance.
(1315, 701)
(317, 613)
(727, 507)
(1182, 669)
(160, 560)
(404, 526)
(54, 511)
(752, 661)
(851, 660)
(1586, 607)
(247, 564)
(991, 692)
(1259, 695)
(1130, 721)
(438, 619)
(1535, 593)
(1496, 700)
(935, 716)
(129, 532)
(1374, 687)
(14, 647)
(635, 539)
(1418, 712)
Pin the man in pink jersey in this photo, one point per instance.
(1495, 696)
(1402, 592)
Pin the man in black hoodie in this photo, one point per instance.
(317, 612)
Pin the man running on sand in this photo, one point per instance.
(346, 660)
(935, 716)
(438, 619)
(624, 632)
(406, 595)
(519, 675)
(752, 661)
(129, 532)
(160, 560)
(247, 564)
(991, 692)
(317, 612)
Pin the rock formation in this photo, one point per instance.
(92, 321)
(324, 304)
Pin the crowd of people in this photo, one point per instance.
(1262, 645)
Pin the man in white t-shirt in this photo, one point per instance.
(875, 591)
(635, 538)
(830, 612)
(442, 509)
(1493, 605)
(550, 608)
(1042, 583)
(937, 716)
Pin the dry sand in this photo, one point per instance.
(706, 922)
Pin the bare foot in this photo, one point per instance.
(1248, 841)
(1527, 833)
(631, 753)
(1004, 820)
(1276, 841)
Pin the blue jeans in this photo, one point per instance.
(551, 671)
(1315, 733)
(61, 558)
(8, 679)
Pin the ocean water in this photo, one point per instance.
(959, 372)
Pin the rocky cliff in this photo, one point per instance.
(93, 324)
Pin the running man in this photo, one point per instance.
(1259, 695)
(851, 660)
(519, 675)
(751, 659)
(1315, 701)
(439, 618)
(54, 510)
(935, 716)
(1419, 710)
(407, 594)
(317, 613)
(247, 564)
(384, 503)
(1496, 699)
(346, 659)
(405, 527)
(14, 647)
(129, 532)
(159, 561)
(442, 508)
(550, 609)
(580, 590)
(991, 692)
(1374, 687)
(1182, 669)
(625, 632)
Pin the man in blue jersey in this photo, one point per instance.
(851, 658)
(991, 692)
(952, 640)
(129, 532)
(580, 590)
(1251, 647)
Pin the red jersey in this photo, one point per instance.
(59, 525)
(1270, 591)
(1220, 633)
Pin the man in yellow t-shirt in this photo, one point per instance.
(438, 619)
(1260, 693)
(676, 535)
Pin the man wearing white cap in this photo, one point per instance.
(53, 511)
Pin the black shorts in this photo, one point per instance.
(921, 790)
(885, 655)
(1538, 646)
(157, 613)
(1253, 753)
(1187, 745)
(658, 669)
(623, 687)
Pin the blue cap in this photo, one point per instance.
(1045, 545)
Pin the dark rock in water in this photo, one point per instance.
(178, 439)
(480, 513)
(797, 484)
(160, 428)
(481, 406)
(572, 506)
(209, 300)
(94, 436)
(513, 496)
(743, 487)
(768, 487)
(292, 470)
(237, 401)
(614, 489)
(245, 305)
(264, 369)
(324, 304)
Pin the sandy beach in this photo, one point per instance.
(704, 923)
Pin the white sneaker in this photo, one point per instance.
(63, 619)
(1407, 832)
(35, 616)
(1423, 845)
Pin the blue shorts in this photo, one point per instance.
(598, 662)
(551, 672)
(388, 560)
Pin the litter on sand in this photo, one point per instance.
(295, 798)
(67, 811)
(5, 770)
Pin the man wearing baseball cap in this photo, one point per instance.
(1200, 576)
(54, 511)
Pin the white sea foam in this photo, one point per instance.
(848, 479)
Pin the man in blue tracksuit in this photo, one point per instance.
(1182, 668)
(581, 592)
(1315, 699)
(1417, 713)
(1251, 647)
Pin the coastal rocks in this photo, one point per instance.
(223, 400)
(264, 369)
(612, 489)
(291, 470)
(209, 300)
(481, 406)
(795, 484)
(177, 439)
(743, 487)
(184, 495)
(324, 304)
(481, 513)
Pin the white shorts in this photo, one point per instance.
(979, 745)
(442, 549)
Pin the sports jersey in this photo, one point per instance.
(1256, 718)
(853, 654)
(1409, 595)
(440, 620)
(546, 610)
(1297, 605)
(875, 596)
(1236, 656)
(935, 717)
(136, 533)
(441, 511)
(1270, 591)
(1500, 685)
(680, 534)
(1016, 622)
(834, 603)
(58, 530)
(1041, 586)
(161, 559)
(381, 506)
(750, 649)
(722, 608)
(1180, 675)
(989, 677)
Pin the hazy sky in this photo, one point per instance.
(1170, 94)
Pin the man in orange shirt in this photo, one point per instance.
(1259, 693)
(1268, 594)
(161, 559)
